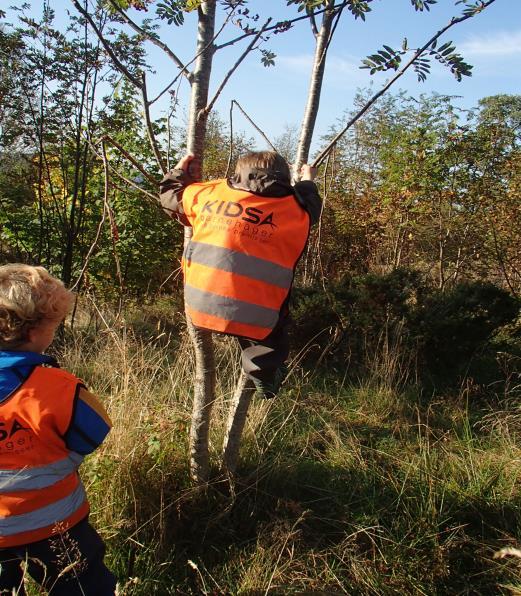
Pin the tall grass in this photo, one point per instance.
(370, 488)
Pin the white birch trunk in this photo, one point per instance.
(236, 420)
(204, 381)
(315, 89)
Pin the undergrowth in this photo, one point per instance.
(361, 488)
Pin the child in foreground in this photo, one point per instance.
(48, 423)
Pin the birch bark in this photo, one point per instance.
(323, 37)
(204, 381)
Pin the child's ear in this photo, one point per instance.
(32, 334)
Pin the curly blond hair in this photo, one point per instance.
(28, 296)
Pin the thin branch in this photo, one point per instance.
(333, 29)
(230, 154)
(150, 129)
(215, 48)
(119, 65)
(235, 66)
(102, 221)
(130, 158)
(253, 124)
(278, 25)
(154, 40)
(454, 21)
(147, 194)
(141, 85)
(13, 226)
(312, 22)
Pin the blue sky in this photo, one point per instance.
(275, 97)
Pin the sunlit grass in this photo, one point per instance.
(366, 488)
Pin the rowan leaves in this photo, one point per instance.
(391, 59)
(472, 8)
(385, 59)
(421, 5)
(358, 8)
(268, 58)
(172, 11)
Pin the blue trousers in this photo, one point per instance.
(66, 564)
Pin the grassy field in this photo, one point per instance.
(342, 488)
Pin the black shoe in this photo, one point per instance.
(269, 390)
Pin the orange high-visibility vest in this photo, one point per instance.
(240, 262)
(41, 493)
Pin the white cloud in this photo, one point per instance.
(300, 63)
(500, 43)
(339, 70)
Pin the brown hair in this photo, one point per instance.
(270, 161)
(29, 295)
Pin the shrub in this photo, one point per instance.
(444, 331)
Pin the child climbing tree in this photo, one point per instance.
(198, 72)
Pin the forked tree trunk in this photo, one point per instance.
(204, 381)
(245, 388)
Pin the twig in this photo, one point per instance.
(154, 40)
(196, 56)
(100, 225)
(130, 158)
(312, 21)
(150, 129)
(253, 124)
(235, 66)
(230, 154)
(149, 195)
(278, 25)
(119, 65)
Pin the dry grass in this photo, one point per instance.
(365, 489)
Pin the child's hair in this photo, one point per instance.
(270, 161)
(29, 295)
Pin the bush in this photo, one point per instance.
(454, 328)
(444, 332)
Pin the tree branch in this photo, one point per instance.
(154, 40)
(150, 129)
(196, 57)
(102, 220)
(277, 25)
(312, 22)
(454, 21)
(209, 107)
(253, 124)
(147, 194)
(119, 65)
(130, 158)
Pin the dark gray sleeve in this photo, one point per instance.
(171, 194)
(307, 195)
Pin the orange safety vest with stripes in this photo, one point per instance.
(41, 493)
(240, 262)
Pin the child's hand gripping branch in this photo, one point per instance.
(308, 172)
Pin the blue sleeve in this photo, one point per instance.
(89, 423)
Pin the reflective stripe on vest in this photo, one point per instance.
(39, 482)
(240, 263)
(39, 476)
(44, 516)
(230, 308)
